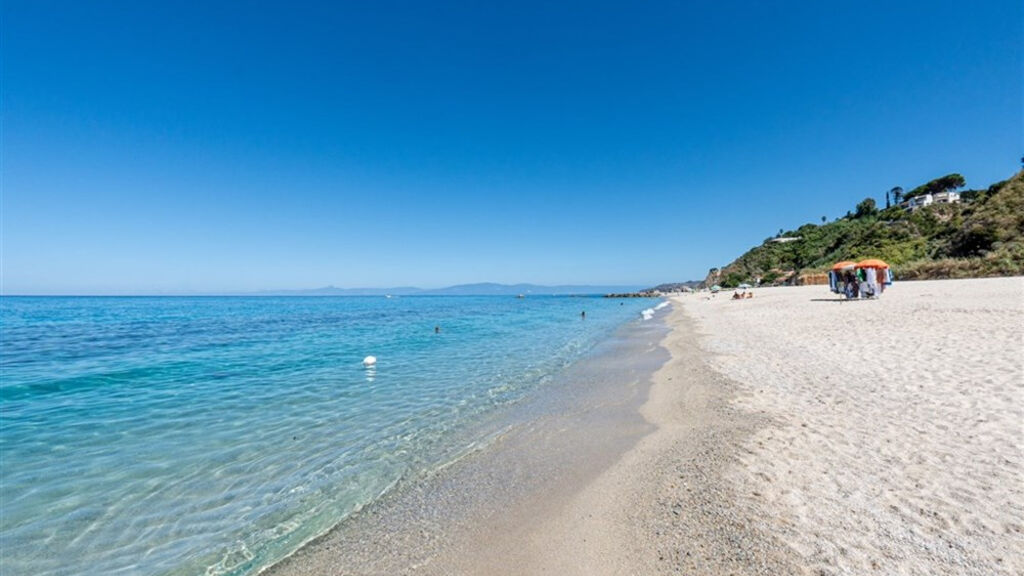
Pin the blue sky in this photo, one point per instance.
(163, 147)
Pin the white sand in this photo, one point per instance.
(897, 437)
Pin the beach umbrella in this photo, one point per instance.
(843, 265)
(872, 263)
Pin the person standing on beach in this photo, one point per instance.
(849, 285)
(862, 283)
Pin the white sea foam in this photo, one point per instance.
(648, 313)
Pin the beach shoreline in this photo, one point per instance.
(553, 445)
(659, 508)
(656, 502)
(759, 444)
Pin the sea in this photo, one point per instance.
(217, 435)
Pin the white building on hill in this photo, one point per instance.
(929, 199)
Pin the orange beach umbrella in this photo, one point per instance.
(844, 264)
(872, 263)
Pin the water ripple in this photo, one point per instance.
(214, 435)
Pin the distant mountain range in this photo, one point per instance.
(479, 289)
(676, 286)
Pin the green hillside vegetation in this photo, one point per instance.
(981, 236)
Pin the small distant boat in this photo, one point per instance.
(388, 296)
(520, 296)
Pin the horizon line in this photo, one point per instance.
(332, 290)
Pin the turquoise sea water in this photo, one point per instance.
(215, 435)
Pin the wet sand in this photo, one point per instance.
(660, 508)
(465, 517)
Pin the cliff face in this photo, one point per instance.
(714, 277)
(982, 236)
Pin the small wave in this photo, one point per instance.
(648, 313)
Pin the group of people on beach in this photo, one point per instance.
(860, 282)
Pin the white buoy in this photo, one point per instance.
(369, 361)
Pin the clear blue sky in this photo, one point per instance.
(179, 146)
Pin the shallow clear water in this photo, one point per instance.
(216, 435)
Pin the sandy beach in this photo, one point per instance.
(786, 434)
(897, 425)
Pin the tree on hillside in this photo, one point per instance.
(897, 194)
(867, 207)
(939, 185)
(950, 182)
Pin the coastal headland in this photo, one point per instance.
(791, 433)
